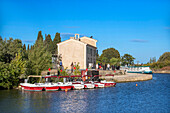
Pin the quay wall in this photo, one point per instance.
(161, 71)
(127, 77)
(116, 72)
(132, 77)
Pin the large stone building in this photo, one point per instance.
(76, 49)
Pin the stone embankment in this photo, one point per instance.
(126, 77)
(161, 71)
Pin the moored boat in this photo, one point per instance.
(97, 82)
(47, 86)
(62, 85)
(139, 69)
(88, 84)
(108, 83)
(77, 84)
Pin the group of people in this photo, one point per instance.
(98, 66)
(107, 67)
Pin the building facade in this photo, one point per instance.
(78, 50)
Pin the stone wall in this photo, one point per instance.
(116, 72)
(129, 77)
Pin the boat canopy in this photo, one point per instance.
(109, 75)
(35, 76)
(50, 76)
(63, 76)
(87, 75)
(97, 75)
(76, 76)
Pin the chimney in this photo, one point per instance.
(76, 36)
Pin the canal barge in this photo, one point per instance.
(139, 69)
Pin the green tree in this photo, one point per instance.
(48, 43)
(104, 60)
(127, 59)
(28, 48)
(10, 73)
(115, 61)
(164, 57)
(5, 80)
(56, 40)
(110, 53)
(1, 39)
(98, 60)
(153, 60)
(64, 72)
(24, 48)
(76, 70)
(17, 68)
(39, 37)
(38, 59)
(8, 49)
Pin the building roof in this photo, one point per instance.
(77, 40)
(71, 40)
(89, 38)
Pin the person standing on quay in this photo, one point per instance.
(72, 67)
(108, 66)
(97, 66)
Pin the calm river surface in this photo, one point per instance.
(148, 96)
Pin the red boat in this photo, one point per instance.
(108, 83)
(77, 84)
(62, 85)
(47, 86)
(98, 84)
(88, 84)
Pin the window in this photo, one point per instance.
(94, 53)
(91, 51)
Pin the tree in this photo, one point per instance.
(10, 73)
(39, 37)
(24, 48)
(76, 69)
(8, 49)
(109, 53)
(38, 59)
(28, 48)
(17, 68)
(1, 39)
(127, 59)
(153, 60)
(164, 57)
(115, 61)
(97, 58)
(104, 60)
(48, 43)
(56, 40)
(5, 80)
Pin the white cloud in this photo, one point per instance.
(29, 41)
(139, 40)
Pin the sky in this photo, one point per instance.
(140, 28)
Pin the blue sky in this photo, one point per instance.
(137, 27)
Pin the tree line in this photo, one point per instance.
(17, 61)
(163, 61)
(112, 56)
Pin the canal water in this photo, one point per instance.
(149, 96)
